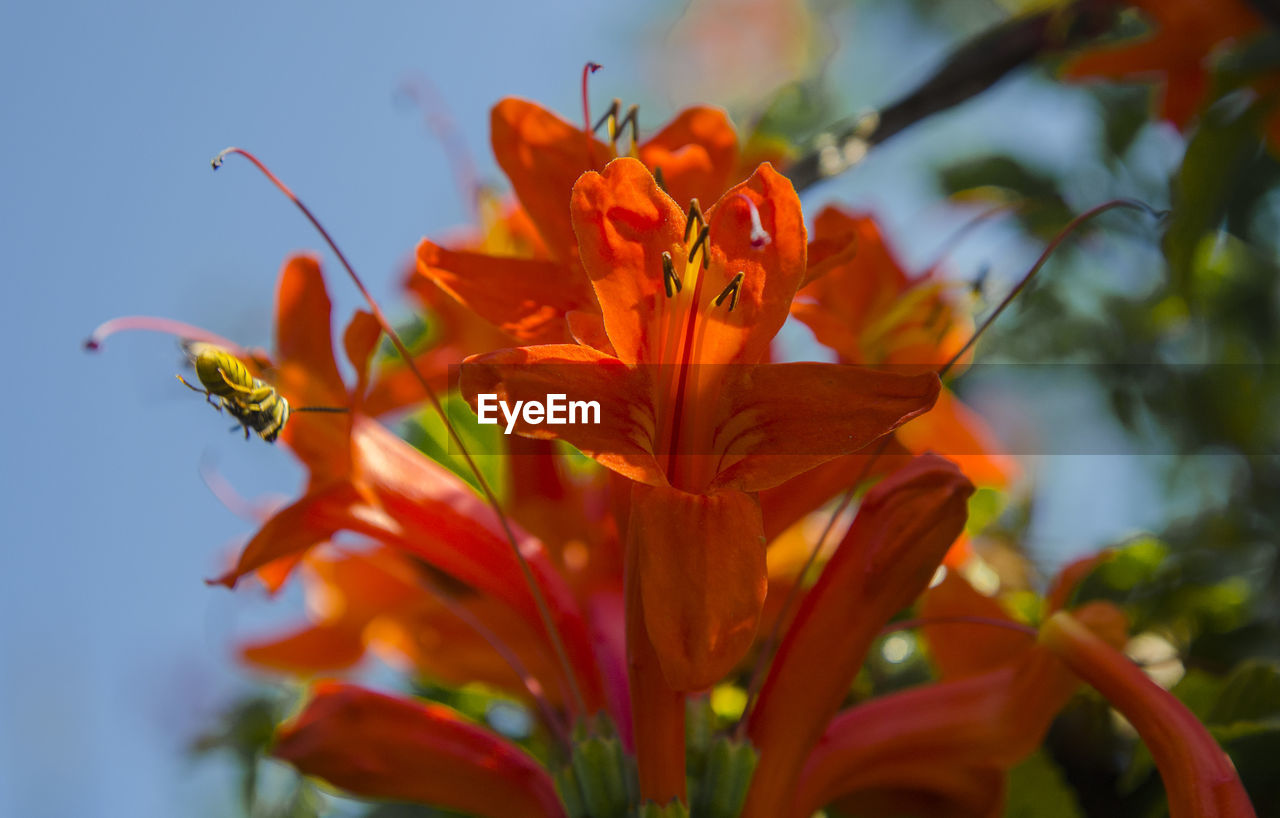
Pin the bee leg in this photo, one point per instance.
(204, 392)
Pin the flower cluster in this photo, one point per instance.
(612, 594)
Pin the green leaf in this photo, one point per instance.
(1250, 694)
(1217, 160)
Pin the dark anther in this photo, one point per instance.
(670, 280)
(730, 292)
(695, 217)
(611, 113)
(702, 242)
(632, 117)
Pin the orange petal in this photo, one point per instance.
(409, 502)
(315, 649)
(785, 504)
(784, 419)
(702, 578)
(304, 338)
(525, 298)
(378, 746)
(771, 274)
(903, 529)
(1198, 776)
(359, 340)
(622, 441)
(397, 387)
(1064, 584)
(624, 224)
(433, 640)
(952, 429)
(309, 521)
(307, 374)
(587, 328)
(855, 286)
(834, 243)
(425, 510)
(543, 156)
(696, 152)
(936, 737)
(959, 650)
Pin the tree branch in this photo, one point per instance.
(971, 69)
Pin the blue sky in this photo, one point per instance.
(114, 652)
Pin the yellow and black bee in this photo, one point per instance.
(253, 402)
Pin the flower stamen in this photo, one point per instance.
(670, 280)
(730, 292)
(695, 217)
(614, 126)
(701, 243)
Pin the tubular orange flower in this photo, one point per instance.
(903, 529)
(950, 743)
(1198, 776)
(690, 413)
(377, 745)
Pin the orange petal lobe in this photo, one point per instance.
(959, 650)
(771, 272)
(525, 298)
(624, 224)
(702, 578)
(304, 339)
(952, 429)
(307, 522)
(770, 436)
(543, 156)
(378, 746)
(316, 649)
(621, 441)
(696, 152)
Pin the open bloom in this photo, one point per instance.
(526, 291)
(691, 414)
(860, 303)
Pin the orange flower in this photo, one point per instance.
(528, 295)
(1198, 776)
(904, 527)
(689, 411)
(376, 745)
(860, 303)
(1185, 36)
(947, 745)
